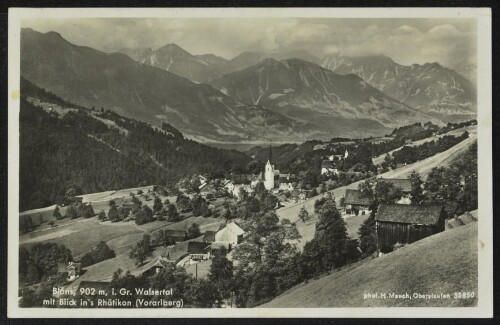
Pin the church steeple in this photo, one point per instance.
(270, 157)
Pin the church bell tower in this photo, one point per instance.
(269, 172)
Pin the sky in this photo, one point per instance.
(450, 42)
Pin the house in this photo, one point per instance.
(198, 250)
(228, 185)
(231, 234)
(404, 184)
(156, 266)
(71, 268)
(209, 236)
(174, 236)
(206, 189)
(404, 224)
(287, 181)
(356, 202)
(329, 167)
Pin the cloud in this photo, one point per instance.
(451, 42)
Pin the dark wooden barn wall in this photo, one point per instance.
(390, 233)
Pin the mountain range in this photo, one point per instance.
(303, 90)
(93, 78)
(251, 98)
(429, 87)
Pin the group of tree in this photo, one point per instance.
(98, 254)
(78, 209)
(40, 261)
(454, 186)
(411, 154)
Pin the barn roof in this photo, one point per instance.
(196, 247)
(356, 197)
(413, 214)
(235, 228)
(402, 183)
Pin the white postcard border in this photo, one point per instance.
(484, 94)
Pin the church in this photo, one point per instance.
(273, 179)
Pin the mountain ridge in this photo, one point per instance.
(114, 80)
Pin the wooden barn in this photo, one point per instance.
(405, 224)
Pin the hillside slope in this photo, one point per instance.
(93, 78)
(443, 263)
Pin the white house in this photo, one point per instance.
(231, 234)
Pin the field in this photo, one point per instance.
(422, 167)
(443, 263)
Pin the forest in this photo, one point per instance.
(79, 150)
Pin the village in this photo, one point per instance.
(203, 218)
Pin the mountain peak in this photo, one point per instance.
(173, 48)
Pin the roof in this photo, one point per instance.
(328, 164)
(174, 233)
(197, 247)
(235, 228)
(286, 178)
(413, 214)
(209, 236)
(356, 197)
(403, 183)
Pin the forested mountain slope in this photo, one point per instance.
(63, 145)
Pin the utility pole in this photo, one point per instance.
(196, 272)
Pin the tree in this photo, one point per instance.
(303, 214)
(172, 214)
(331, 235)
(367, 237)
(112, 203)
(142, 250)
(221, 273)
(417, 195)
(71, 212)
(102, 215)
(56, 214)
(113, 214)
(193, 231)
(149, 213)
(157, 205)
(260, 190)
(203, 294)
(87, 211)
(183, 203)
(136, 201)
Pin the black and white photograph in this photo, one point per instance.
(250, 162)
